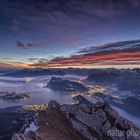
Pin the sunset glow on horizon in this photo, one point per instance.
(75, 33)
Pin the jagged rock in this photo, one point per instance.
(81, 122)
(53, 105)
(81, 100)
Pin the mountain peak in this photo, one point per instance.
(78, 122)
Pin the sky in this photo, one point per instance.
(69, 33)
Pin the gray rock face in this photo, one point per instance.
(103, 120)
(53, 105)
(81, 100)
(80, 122)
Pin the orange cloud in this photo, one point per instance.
(103, 59)
(14, 65)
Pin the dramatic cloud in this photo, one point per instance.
(63, 19)
(118, 53)
(6, 65)
(13, 64)
(60, 27)
(117, 46)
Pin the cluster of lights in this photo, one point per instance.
(38, 107)
(91, 90)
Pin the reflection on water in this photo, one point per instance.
(35, 87)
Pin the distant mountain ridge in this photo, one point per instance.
(34, 72)
(60, 71)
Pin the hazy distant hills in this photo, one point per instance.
(8, 70)
(34, 72)
(39, 72)
(76, 71)
(124, 79)
(59, 84)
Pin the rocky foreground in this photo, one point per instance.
(80, 121)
